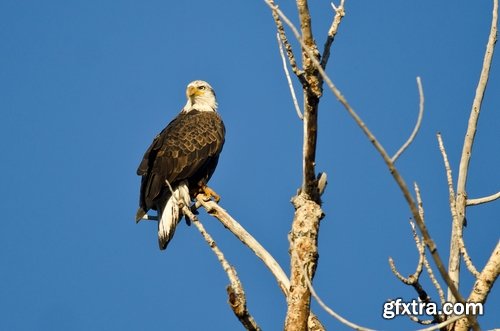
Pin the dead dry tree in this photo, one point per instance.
(308, 213)
(303, 236)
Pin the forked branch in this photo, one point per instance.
(417, 125)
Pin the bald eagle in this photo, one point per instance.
(183, 155)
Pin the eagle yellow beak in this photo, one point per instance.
(193, 91)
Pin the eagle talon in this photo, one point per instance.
(208, 194)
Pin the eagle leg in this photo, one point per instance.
(209, 193)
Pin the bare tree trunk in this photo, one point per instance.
(308, 213)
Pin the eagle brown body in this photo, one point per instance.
(185, 154)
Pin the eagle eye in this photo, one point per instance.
(201, 87)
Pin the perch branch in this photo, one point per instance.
(461, 199)
(237, 299)
(246, 238)
(289, 80)
(417, 125)
(478, 201)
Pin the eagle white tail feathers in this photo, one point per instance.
(171, 214)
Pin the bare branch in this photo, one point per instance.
(478, 201)
(289, 80)
(417, 125)
(454, 261)
(449, 177)
(328, 309)
(434, 281)
(332, 32)
(413, 278)
(461, 199)
(468, 261)
(483, 284)
(237, 299)
(289, 51)
(419, 242)
(419, 321)
(396, 273)
(246, 238)
(442, 324)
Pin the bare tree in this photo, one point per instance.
(303, 236)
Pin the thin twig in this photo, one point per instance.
(431, 245)
(442, 324)
(396, 273)
(237, 299)
(468, 261)
(289, 80)
(419, 321)
(455, 246)
(463, 169)
(478, 201)
(417, 125)
(421, 252)
(328, 309)
(289, 51)
(434, 281)
(449, 177)
(420, 243)
(413, 278)
(332, 32)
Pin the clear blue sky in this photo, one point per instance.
(85, 86)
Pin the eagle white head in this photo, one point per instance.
(200, 96)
